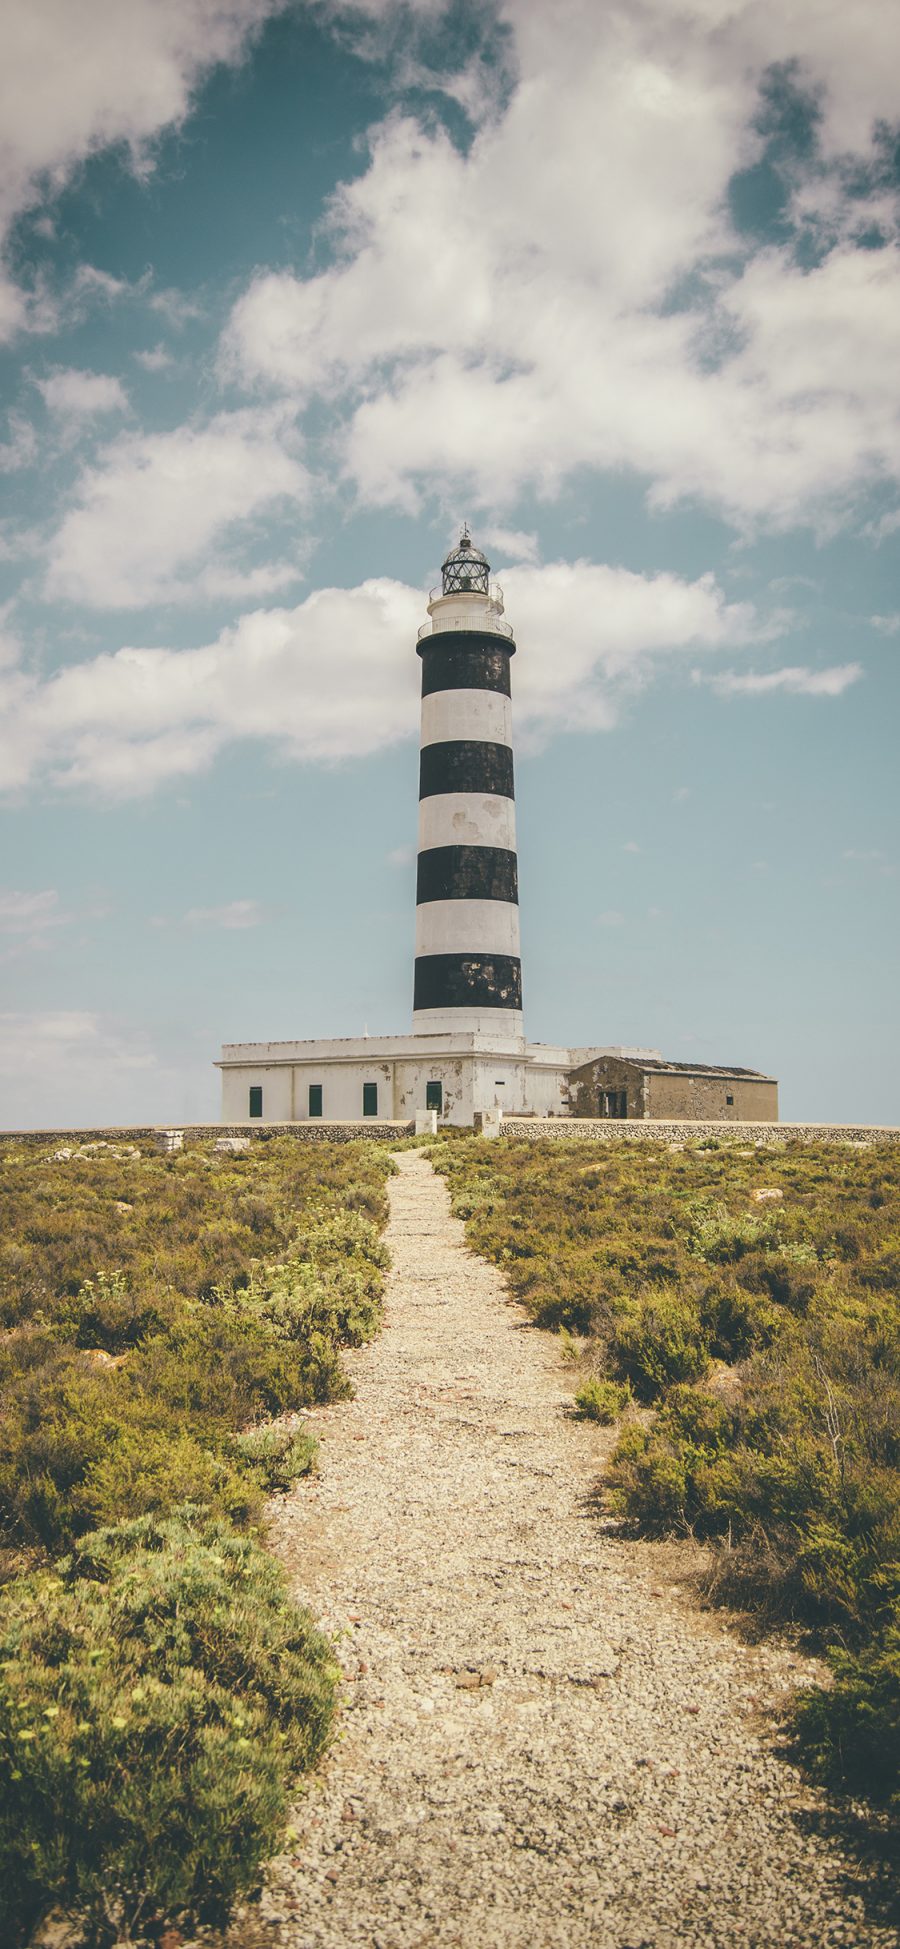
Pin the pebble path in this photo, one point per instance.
(541, 1741)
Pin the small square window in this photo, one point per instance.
(729, 1100)
(315, 1099)
(256, 1099)
(370, 1099)
(434, 1096)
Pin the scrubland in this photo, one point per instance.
(159, 1692)
(734, 1312)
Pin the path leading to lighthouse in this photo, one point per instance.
(542, 1743)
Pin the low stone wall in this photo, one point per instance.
(610, 1129)
(379, 1129)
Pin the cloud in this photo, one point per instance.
(887, 625)
(30, 913)
(156, 359)
(401, 856)
(611, 918)
(886, 525)
(336, 677)
(28, 922)
(147, 512)
(234, 916)
(510, 542)
(610, 317)
(796, 679)
(20, 448)
(871, 856)
(77, 1069)
(80, 395)
(77, 76)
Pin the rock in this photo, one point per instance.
(766, 1196)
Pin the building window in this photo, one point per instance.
(315, 1099)
(370, 1099)
(729, 1100)
(256, 1099)
(434, 1097)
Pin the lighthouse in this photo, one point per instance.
(466, 1060)
(468, 970)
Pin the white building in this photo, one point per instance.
(468, 1051)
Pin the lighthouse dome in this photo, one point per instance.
(465, 571)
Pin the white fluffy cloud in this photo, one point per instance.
(149, 516)
(503, 317)
(79, 75)
(80, 395)
(797, 679)
(336, 677)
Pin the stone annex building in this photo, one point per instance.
(467, 1054)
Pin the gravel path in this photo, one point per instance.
(542, 1742)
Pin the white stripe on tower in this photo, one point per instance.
(452, 714)
(468, 967)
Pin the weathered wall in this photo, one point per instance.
(674, 1093)
(587, 1084)
(706, 1097)
(589, 1129)
(470, 1083)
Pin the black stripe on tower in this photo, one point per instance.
(463, 660)
(467, 873)
(468, 981)
(466, 765)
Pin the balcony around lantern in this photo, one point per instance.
(466, 609)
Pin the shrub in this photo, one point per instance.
(849, 1734)
(278, 1456)
(157, 1694)
(737, 1321)
(662, 1476)
(604, 1401)
(661, 1339)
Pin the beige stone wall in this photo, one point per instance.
(706, 1098)
(654, 1093)
(587, 1086)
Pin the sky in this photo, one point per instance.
(288, 292)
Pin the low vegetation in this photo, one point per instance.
(736, 1312)
(159, 1691)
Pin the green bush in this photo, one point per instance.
(736, 1321)
(849, 1732)
(278, 1456)
(158, 1692)
(659, 1340)
(603, 1401)
(662, 1476)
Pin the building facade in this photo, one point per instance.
(626, 1085)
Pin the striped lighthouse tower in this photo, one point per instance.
(468, 968)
